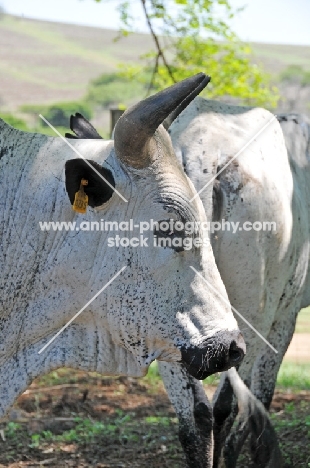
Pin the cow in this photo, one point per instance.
(115, 309)
(266, 273)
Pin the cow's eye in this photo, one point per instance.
(169, 228)
(170, 233)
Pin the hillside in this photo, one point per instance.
(43, 62)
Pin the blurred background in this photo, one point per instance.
(59, 57)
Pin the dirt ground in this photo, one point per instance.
(85, 420)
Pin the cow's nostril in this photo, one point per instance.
(216, 354)
(236, 354)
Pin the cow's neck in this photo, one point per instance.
(32, 259)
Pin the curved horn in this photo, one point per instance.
(135, 128)
(171, 118)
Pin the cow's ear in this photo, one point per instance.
(100, 181)
(82, 128)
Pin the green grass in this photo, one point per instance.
(292, 426)
(142, 435)
(86, 431)
(303, 321)
(294, 376)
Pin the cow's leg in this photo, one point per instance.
(267, 363)
(264, 376)
(253, 418)
(194, 412)
(233, 407)
(230, 432)
(224, 413)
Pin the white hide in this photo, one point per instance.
(155, 306)
(266, 274)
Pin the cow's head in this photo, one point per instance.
(161, 307)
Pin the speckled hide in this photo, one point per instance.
(266, 274)
(155, 307)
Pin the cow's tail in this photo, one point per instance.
(265, 450)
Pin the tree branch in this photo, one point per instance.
(153, 74)
(156, 40)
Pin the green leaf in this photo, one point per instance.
(195, 36)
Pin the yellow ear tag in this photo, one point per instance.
(81, 199)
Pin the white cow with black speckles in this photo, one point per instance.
(206, 137)
(157, 308)
(266, 273)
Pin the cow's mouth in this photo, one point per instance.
(201, 373)
(216, 354)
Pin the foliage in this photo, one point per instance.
(295, 74)
(297, 79)
(59, 114)
(192, 36)
(11, 429)
(113, 89)
(33, 109)
(14, 121)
